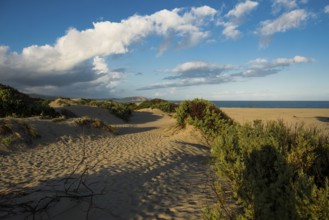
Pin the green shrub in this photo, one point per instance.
(82, 101)
(82, 121)
(274, 172)
(271, 170)
(14, 103)
(121, 110)
(7, 141)
(13, 133)
(161, 104)
(94, 123)
(204, 115)
(266, 185)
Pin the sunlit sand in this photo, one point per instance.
(152, 169)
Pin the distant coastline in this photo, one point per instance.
(272, 104)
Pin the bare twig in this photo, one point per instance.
(14, 204)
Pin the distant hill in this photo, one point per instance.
(131, 99)
(125, 99)
(38, 96)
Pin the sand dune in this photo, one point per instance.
(152, 170)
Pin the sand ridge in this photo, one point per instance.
(152, 170)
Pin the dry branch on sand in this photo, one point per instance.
(32, 203)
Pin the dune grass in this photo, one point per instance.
(94, 123)
(14, 133)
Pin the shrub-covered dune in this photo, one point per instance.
(15, 103)
(161, 104)
(270, 170)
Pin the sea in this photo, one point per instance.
(271, 104)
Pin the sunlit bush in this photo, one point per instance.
(94, 123)
(274, 172)
(161, 104)
(202, 114)
(121, 110)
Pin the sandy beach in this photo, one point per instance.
(310, 117)
(151, 170)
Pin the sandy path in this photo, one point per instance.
(150, 171)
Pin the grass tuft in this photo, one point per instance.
(94, 123)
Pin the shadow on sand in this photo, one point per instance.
(50, 132)
(143, 118)
(199, 146)
(132, 130)
(143, 192)
(322, 119)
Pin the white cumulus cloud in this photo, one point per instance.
(198, 69)
(109, 78)
(230, 30)
(234, 18)
(195, 73)
(78, 56)
(198, 66)
(295, 59)
(261, 67)
(242, 8)
(326, 9)
(285, 22)
(278, 5)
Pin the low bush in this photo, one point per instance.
(14, 133)
(161, 104)
(7, 141)
(121, 110)
(270, 170)
(94, 123)
(274, 172)
(14, 103)
(202, 114)
(82, 101)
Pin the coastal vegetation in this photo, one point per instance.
(161, 104)
(274, 172)
(121, 110)
(17, 104)
(204, 115)
(94, 123)
(269, 170)
(14, 134)
(263, 170)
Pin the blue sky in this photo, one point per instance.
(174, 49)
